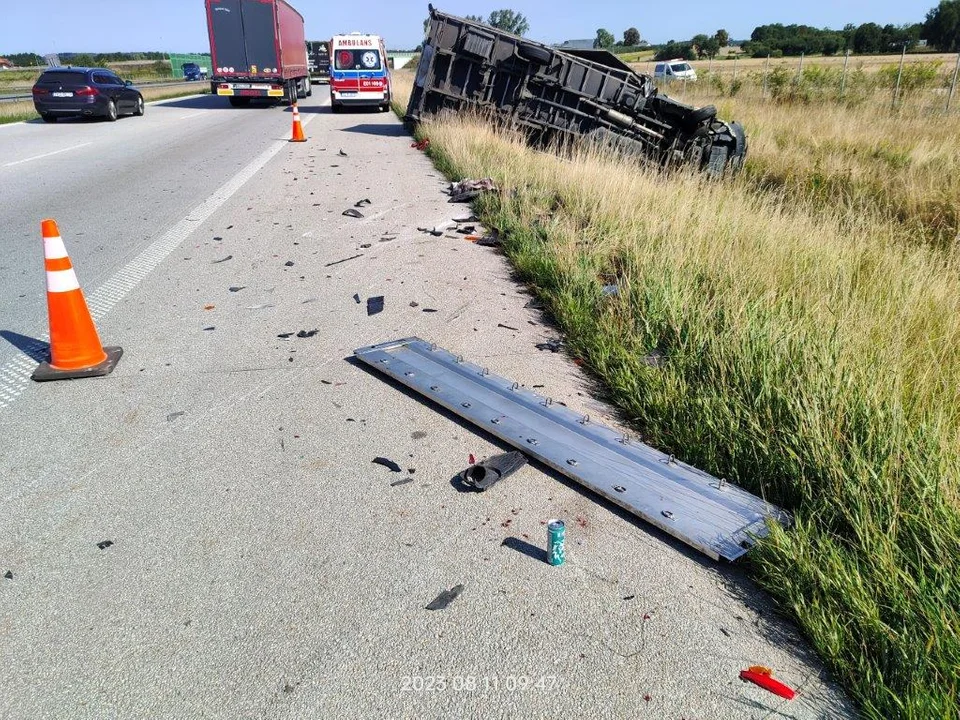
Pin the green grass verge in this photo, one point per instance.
(759, 389)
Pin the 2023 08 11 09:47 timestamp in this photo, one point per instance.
(476, 683)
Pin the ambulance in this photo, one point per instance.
(358, 72)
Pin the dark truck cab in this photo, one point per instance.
(318, 58)
(257, 51)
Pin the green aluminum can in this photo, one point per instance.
(556, 537)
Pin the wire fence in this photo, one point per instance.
(907, 81)
(177, 61)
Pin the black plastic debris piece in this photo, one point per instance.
(431, 310)
(174, 415)
(288, 263)
(387, 463)
(469, 218)
(441, 601)
(362, 203)
(433, 231)
(356, 298)
(366, 245)
(228, 257)
(236, 288)
(486, 473)
(327, 382)
(285, 335)
(229, 227)
(374, 305)
(352, 212)
(534, 304)
(388, 238)
(629, 597)
(212, 327)
(218, 238)
(491, 240)
(104, 544)
(307, 333)
(507, 327)
(337, 262)
(342, 153)
(404, 481)
(467, 229)
(8, 575)
(551, 345)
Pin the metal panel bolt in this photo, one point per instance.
(408, 373)
(465, 404)
(533, 441)
(667, 514)
(573, 462)
(619, 488)
(585, 419)
(435, 388)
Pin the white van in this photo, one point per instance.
(678, 69)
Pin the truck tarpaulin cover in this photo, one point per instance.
(558, 95)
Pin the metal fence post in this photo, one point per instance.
(800, 68)
(896, 91)
(736, 57)
(953, 84)
(766, 72)
(843, 78)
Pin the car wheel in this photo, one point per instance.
(49, 118)
(335, 107)
(139, 110)
(111, 111)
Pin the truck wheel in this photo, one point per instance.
(301, 90)
(309, 89)
(534, 53)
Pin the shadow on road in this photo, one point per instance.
(525, 548)
(202, 102)
(31, 347)
(387, 130)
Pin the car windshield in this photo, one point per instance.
(358, 59)
(63, 76)
(680, 67)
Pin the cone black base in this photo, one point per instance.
(46, 372)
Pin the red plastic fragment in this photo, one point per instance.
(768, 683)
(472, 459)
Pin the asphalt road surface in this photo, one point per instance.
(261, 565)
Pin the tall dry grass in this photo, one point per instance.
(812, 356)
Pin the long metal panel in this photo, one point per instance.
(717, 518)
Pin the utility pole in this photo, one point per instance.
(953, 85)
(843, 78)
(896, 91)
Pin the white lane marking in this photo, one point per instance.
(55, 152)
(15, 373)
(187, 117)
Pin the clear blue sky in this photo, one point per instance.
(179, 25)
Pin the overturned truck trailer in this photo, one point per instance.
(566, 95)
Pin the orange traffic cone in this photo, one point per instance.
(298, 135)
(75, 349)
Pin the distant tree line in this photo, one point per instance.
(83, 59)
(941, 29)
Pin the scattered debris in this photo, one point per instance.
(211, 327)
(418, 434)
(307, 334)
(104, 544)
(174, 415)
(326, 382)
(725, 631)
(362, 203)
(259, 307)
(763, 676)
(429, 310)
(401, 482)
(8, 575)
(610, 290)
(433, 231)
(422, 145)
(356, 298)
(414, 303)
(388, 238)
(387, 463)
(551, 345)
(284, 336)
(490, 240)
(352, 212)
(482, 475)
(507, 327)
(468, 230)
(236, 288)
(445, 598)
(342, 154)
(337, 262)
(629, 597)
(534, 304)
(228, 257)
(469, 218)
(366, 245)
(467, 190)
(471, 459)
(374, 305)
(289, 263)
(209, 307)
